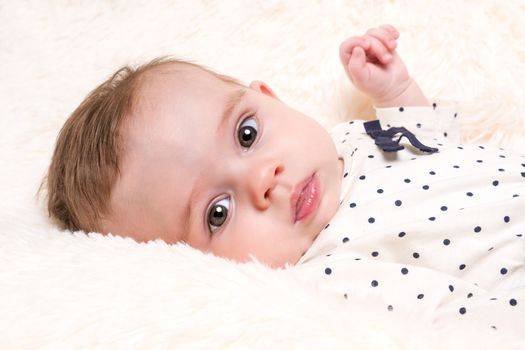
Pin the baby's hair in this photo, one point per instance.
(85, 162)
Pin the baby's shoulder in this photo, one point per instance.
(348, 129)
(355, 125)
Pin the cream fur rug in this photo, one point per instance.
(64, 291)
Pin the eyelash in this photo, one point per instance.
(238, 136)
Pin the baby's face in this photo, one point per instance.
(226, 169)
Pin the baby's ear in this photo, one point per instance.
(263, 88)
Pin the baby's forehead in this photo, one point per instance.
(182, 74)
(176, 89)
(179, 81)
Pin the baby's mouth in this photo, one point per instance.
(305, 198)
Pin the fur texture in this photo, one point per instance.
(72, 291)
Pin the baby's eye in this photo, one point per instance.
(218, 214)
(247, 132)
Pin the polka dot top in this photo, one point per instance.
(439, 236)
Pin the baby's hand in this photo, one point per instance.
(372, 64)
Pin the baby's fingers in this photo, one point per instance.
(393, 31)
(357, 66)
(386, 35)
(378, 50)
(346, 48)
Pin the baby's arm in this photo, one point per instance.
(375, 68)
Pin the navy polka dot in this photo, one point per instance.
(451, 288)
(470, 194)
(506, 219)
(362, 177)
(397, 203)
(390, 308)
(375, 283)
(477, 229)
(328, 270)
(446, 241)
(401, 234)
(444, 208)
(371, 220)
(513, 302)
(407, 180)
(425, 187)
(375, 254)
(495, 183)
(462, 266)
(416, 255)
(420, 296)
(346, 239)
(404, 270)
(380, 190)
(352, 205)
(462, 310)
(401, 109)
(503, 271)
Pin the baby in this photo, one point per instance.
(173, 151)
(176, 152)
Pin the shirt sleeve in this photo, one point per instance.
(439, 121)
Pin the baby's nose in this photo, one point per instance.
(262, 179)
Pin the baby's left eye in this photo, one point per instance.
(247, 132)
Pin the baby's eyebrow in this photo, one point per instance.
(233, 101)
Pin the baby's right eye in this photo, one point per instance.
(218, 214)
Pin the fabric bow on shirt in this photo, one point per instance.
(384, 138)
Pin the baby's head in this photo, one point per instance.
(174, 151)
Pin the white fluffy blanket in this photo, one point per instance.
(62, 290)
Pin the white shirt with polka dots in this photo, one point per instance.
(439, 236)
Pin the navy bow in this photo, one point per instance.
(384, 138)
